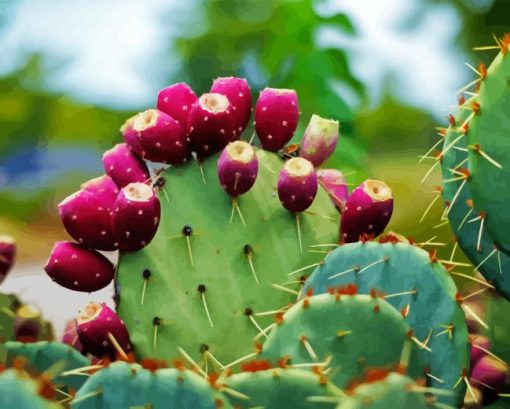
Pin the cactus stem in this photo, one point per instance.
(475, 316)
(192, 362)
(242, 359)
(308, 347)
(117, 346)
(298, 227)
(282, 288)
(485, 259)
(429, 207)
(306, 268)
(412, 292)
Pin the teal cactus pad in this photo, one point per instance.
(220, 263)
(20, 391)
(279, 389)
(358, 332)
(488, 129)
(431, 312)
(492, 263)
(41, 356)
(395, 391)
(123, 385)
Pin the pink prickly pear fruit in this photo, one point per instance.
(131, 136)
(136, 217)
(237, 168)
(162, 138)
(104, 189)
(88, 220)
(297, 185)
(490, 376)
(70, 336)
(477, 353)
(99, 328)
(333, 182)
(276, 117)
(210, 124)
(124, 166)
(238, 92)
(27, 324)
(176, 101)
(7, 255)
(367, 211)
(319, 140)
(79, 268)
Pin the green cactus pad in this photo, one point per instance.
(356, 331)
(220, 263)
(43, 356)
(15, 314)
(279, 389)
(432, 312)
(491, 263)
(488, 129)
(123, 385)
(18, 390)
(395, 391)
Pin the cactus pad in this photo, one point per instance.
(415, 284)
(123, 385)
(174, 310)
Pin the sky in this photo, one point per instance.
(105, 51)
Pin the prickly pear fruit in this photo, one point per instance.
(319, 140)
(238, 93)
(237, 168)
(136, 217)
(333, 182)
(477, 353)
(124, 166)
(104, 188)
(7, 255)
(130, 135)
(88, 220)
(297, 185)
(162, 138)
(101, 331)
(79, 268)
(210, 124)
(367, 211)
(70, 336)
(490, 375)
(276, 117)
(176, 101)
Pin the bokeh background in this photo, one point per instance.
(71, 72)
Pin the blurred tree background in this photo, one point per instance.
(51, 138)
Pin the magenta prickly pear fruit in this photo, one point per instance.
(367, 211)
(124, 166)
(136, 217)
(88, 220)
(297, 185)
(70, 335)
(162, 138)
(489, 374)
(210, 124)
(319, 140)
(276, 117)
(176, 101)
(477, 353)
(7, 255)
(79, 268)
(99, 329)
(333, 182)
(237, 168)
(131, 136)
(238, 93)
(104, 188)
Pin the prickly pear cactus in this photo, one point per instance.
(415, 283)
(21, 322)
(203, 282)
(123, 385)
